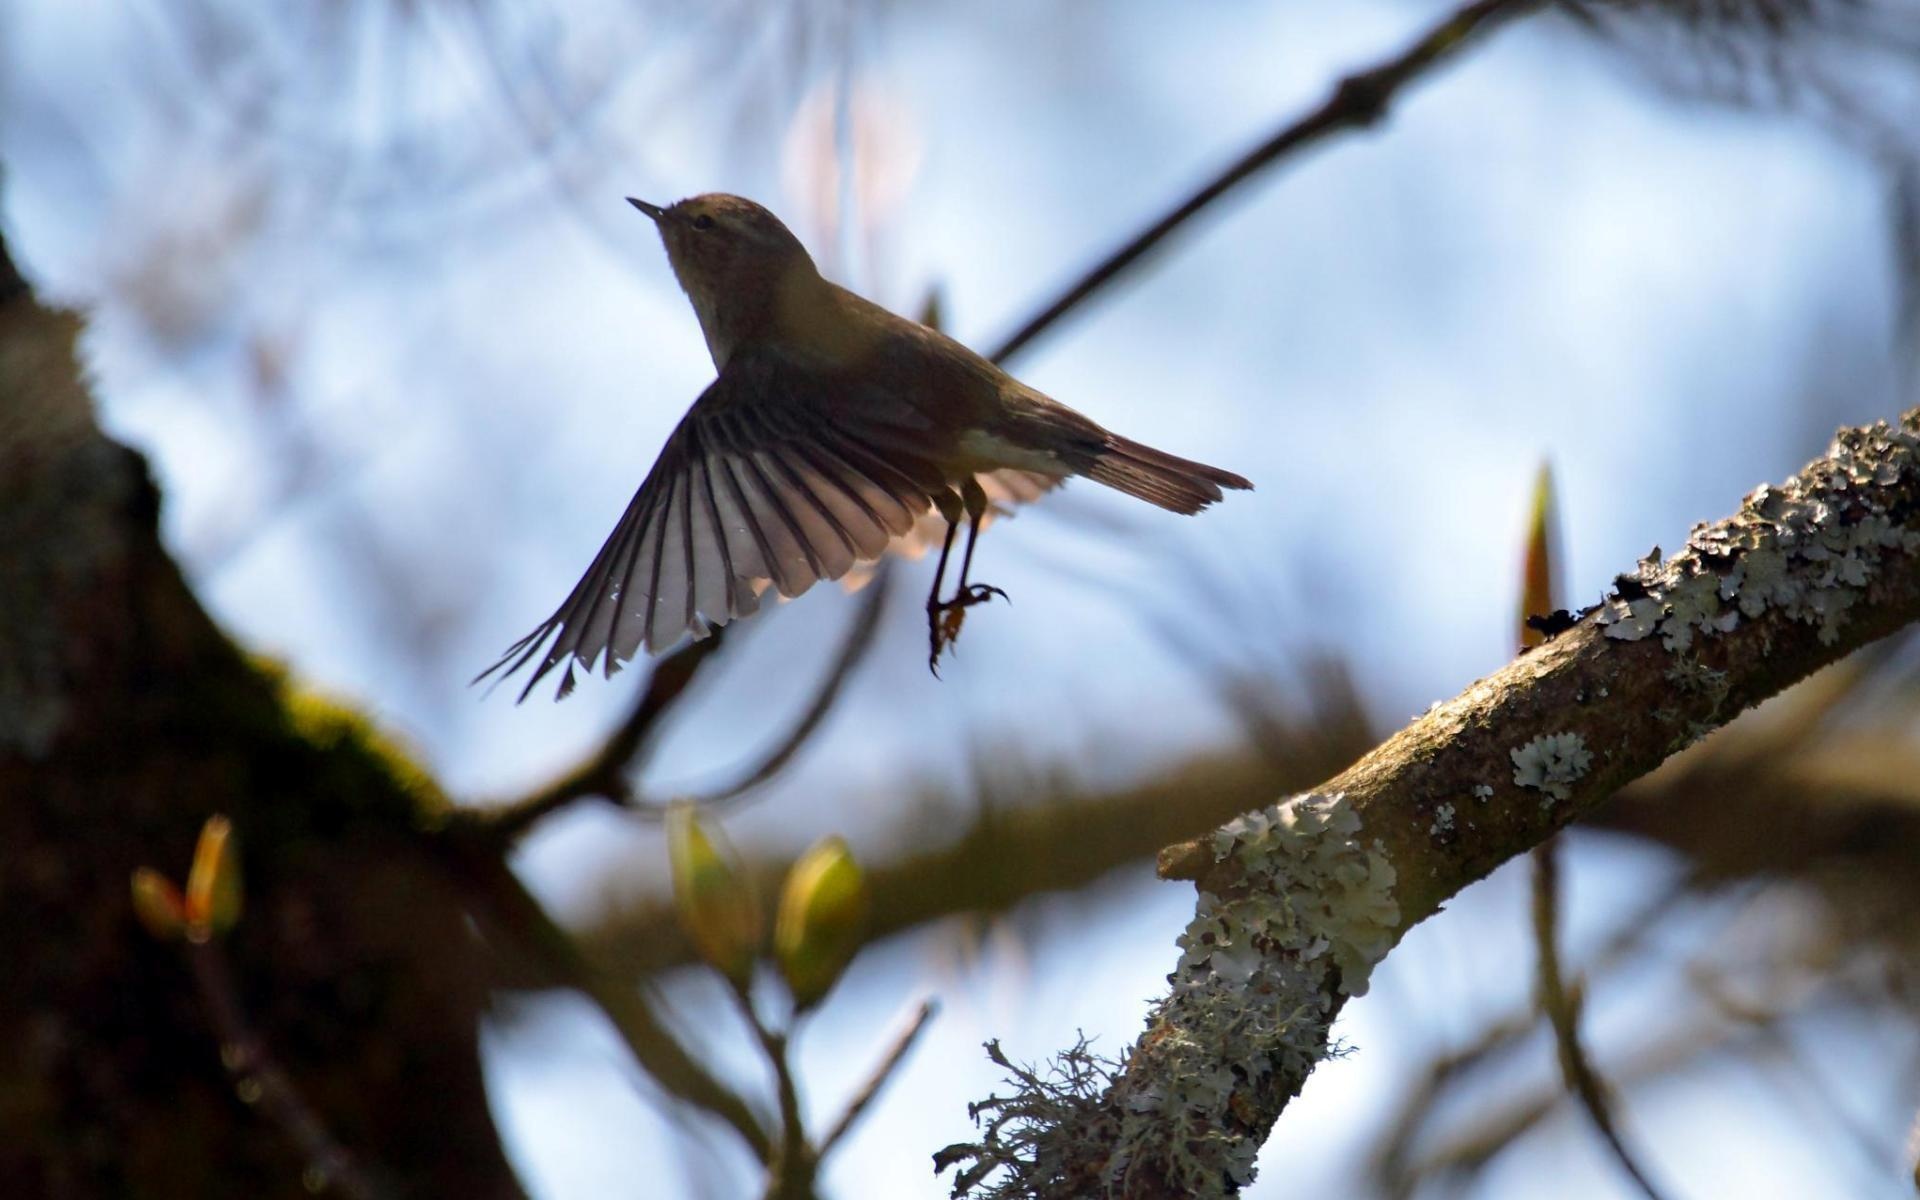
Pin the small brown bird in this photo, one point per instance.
(833, 426)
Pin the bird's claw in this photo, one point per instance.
(943, 630)
(944, 618)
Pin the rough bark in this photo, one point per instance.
(126, 718)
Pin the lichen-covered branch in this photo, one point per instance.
(1298, 901)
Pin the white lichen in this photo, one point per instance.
(1807, 550)
(1483, 792)
(1252, 1000)
(1251, 997)
(1551, 763)
(1442, 821)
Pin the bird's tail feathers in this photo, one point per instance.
(1174, 483)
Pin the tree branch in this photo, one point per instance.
(870, 1090)
(854, 645)
(1357, 101)
(1562, 1007)
(1059, 836)
(606, 772)
(1298, 901)
(499, 895)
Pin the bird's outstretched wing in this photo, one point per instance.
(777, 474)
(1007, 489)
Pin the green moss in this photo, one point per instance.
(368, 765)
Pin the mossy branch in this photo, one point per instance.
(1298, 901)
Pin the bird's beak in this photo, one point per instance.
(652, 210)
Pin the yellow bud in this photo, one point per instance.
(213, 885)
(713, 896)
(1539, 572)
(823, 913)
(159, 905)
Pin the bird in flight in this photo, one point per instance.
(832, 428)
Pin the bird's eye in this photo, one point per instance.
(703, 221)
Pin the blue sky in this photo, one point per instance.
(1538, 255)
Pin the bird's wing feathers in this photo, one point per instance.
(768, 477)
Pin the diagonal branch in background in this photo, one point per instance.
(854, 645)
(1359, 100)
(605, 773)
(1298, 901)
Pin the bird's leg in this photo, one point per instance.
(944, 617)
(975, 499)
(943, 623)
(949, 506)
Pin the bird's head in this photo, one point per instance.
(735, 260)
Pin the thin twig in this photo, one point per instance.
(791, 1170)
(857, 1107)
(853, 649)
(499, 895)
(1358, 100)
(1500, 1038)
(260, 1080)
(1562, 1007)
(605, 773)
(1501, 1124)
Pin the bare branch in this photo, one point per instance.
(605, 773)
(1298, 901)
(500, 897)
(259, 1078)
(1562, 1007)
(1499, 1039)
(853, 650)
(1059, 836)
(1357, 101)
(857, 1107)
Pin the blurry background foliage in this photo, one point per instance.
(358, 279)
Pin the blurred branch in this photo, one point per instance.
(857, 1107)
(793, 1164)
(1499, 1127)
(260, 1080)
(1298, 901)
(1502, 1037)
(1058, 836)
(501, 896)
(853, 650)
(1562, 1007)
(605, 773)
(1359, 100)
